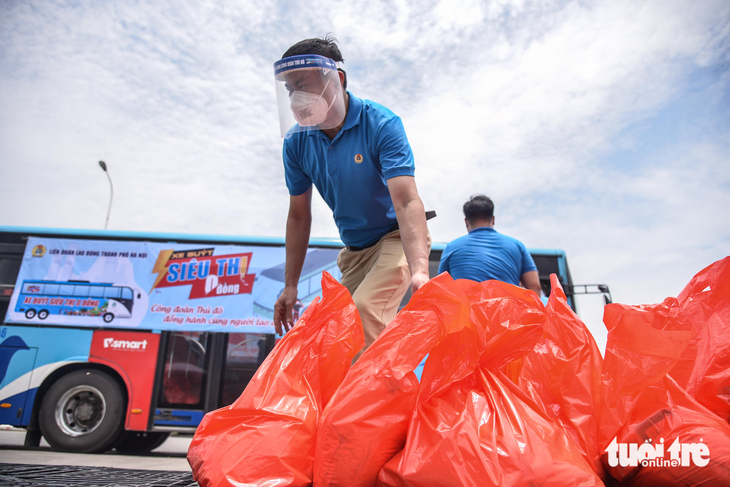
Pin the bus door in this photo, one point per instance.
(199, 372)
(16, 360)
(244, 353)
(182, 380)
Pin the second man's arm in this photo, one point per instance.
(531, 280)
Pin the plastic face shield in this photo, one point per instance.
(309, 94)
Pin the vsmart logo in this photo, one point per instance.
(652, 455)
(125, 344)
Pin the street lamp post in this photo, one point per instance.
(111, 196)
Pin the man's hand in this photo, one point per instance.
(298, 225)
(282, 310)
(417, 281)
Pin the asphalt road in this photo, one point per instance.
(169, 456)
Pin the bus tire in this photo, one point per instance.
(134, 442)
(43, 314)
(108, 317)
(83, 412)
(30, 313)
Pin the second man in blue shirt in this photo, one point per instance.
(485, 254)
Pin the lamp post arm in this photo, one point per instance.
(111, 197)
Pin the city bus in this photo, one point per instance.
(197, 325)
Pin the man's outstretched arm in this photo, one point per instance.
(298, 226)
(413, 230)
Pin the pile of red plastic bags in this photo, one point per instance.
(513, 393)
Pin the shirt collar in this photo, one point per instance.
(483, 228)
(353, 112)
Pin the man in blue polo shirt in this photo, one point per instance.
(485, 254)
(355, 152)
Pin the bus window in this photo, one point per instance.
(112, 292)
(9, 269)
(66, 290)
(32, 288)
(315, 284)
(244, 354)
(184, 373)
(96, 292)
(51, 289)
(127, 293)
(81, 291)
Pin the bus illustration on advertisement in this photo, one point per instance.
(95, 387)
(75, 298)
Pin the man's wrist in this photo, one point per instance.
(420, 276)
(420, 271)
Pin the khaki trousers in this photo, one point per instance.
(377, 278)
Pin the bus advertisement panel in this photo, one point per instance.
(159, 286)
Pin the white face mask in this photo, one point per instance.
(310, 109)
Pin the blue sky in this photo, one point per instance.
(598, 127)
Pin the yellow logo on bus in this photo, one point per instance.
(38, 251)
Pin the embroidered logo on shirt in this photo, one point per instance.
(358, 158)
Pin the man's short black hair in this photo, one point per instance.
(479, 207)
(326, 46)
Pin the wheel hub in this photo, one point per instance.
(80, 411)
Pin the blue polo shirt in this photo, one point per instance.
(350, 172)
(486, 254)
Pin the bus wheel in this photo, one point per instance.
(43, 314)
(140, 442)
(30, 314)
(108, 317)
(83, 412)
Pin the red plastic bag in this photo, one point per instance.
(647, 420)
(472, 425)
(267, 436)
(563, 375)
(704, 368)
(365, 423)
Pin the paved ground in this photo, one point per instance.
(169, 456)
(15, 475)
